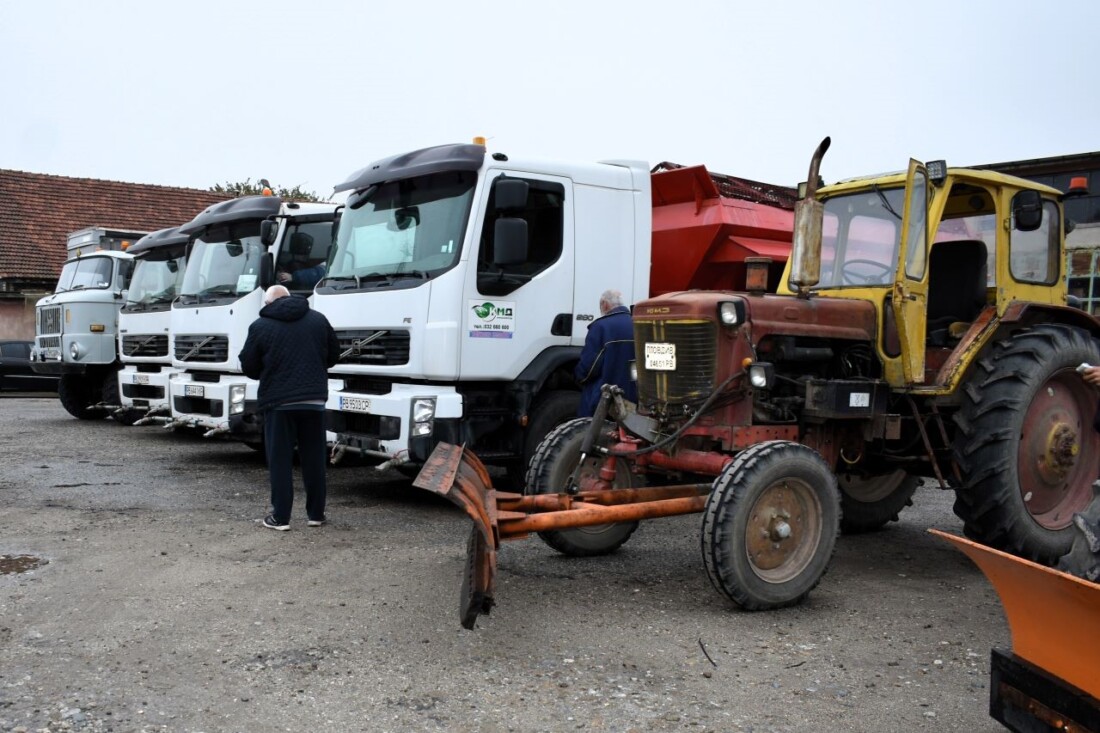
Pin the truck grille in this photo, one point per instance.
(49, 342)
(380, 347)
(145, 344)
(202, 348)
(693, 379)
(49, 319)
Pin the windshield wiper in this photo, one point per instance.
(341, 278)
(885, 202)
(419, 274)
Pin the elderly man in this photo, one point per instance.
(290, 349)
(608, 351)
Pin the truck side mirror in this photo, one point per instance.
(1027, 211)
(269, 228)
(267, 270)
(509, 242)
(510, 193)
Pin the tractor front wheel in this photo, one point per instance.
(770, 525)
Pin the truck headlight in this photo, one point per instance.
(75, 351)
(423, 416)
(236, 399)
(762, 375)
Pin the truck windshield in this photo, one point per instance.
(401, 232)
(860, 238)
(85, 273)
(224, 263)
(155, 283)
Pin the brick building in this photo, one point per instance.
(37, 213)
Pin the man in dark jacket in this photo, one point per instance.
(608, 351)
(290, 349)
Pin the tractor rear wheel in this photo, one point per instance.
(551, 468)
(770, 525)
(868, 503)
(78, 397)
(1026, 443)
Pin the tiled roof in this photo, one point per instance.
(39, 211)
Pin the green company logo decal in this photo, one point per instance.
(489, 312)
(483, 310)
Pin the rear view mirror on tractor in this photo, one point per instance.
(1027, 211)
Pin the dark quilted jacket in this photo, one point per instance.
(289, 349)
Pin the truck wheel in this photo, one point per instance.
(1026, 444)
(112, 396)
(78, 397)
(549, 473)
(770, 525)
(549, 412)
(869, 502)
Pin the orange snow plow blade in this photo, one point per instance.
(1053, 617)
(459, 476)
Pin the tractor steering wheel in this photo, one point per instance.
(862, 278)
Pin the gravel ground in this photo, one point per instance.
(159, 603)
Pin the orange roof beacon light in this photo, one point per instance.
(1078, 186)
(480, 140)
(267, 188)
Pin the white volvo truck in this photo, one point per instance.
(76, 328)
(144, 324)
(461, 285)
(238, 248)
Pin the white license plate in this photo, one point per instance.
(193, 390)
(660, 357)
(354, 404)
(141, 379)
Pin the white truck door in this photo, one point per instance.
(512, 311)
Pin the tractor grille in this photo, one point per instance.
(145, 344)
(49, 320)
(381, 347)
(693, 379)
(202, 347)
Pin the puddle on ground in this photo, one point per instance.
(10, 564)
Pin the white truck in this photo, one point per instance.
(76, 327)
(144, 324)
(462, 283)
(238, 248)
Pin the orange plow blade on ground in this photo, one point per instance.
(1052, 675)
(459, 476)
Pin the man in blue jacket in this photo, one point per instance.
(290, 349)
(608, 351)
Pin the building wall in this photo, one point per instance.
(17, 317)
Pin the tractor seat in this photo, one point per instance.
(956, 288)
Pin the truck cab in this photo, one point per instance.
(144, 323)
(461, 285)
(237, 249)
(77, 326)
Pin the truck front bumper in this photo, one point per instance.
(406, 422)
(224, 407)
(144, 390)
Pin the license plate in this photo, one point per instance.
(354, 404)
(660, 357)
(193, 390)
(141, 379)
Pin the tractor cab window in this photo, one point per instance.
(1033, 256)
(544, 216)
(860, 237)
(969, 215)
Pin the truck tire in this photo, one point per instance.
(549, 473)
(550, 411)
(1025, 442)
(78, 397)
(868, 503)
(770, 525)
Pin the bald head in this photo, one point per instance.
(274, 293)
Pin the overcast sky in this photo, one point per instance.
(303, 93)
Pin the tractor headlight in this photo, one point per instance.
(236, 399)
(731, 312)
(423, 416)
(75, 351)
(761, 375)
